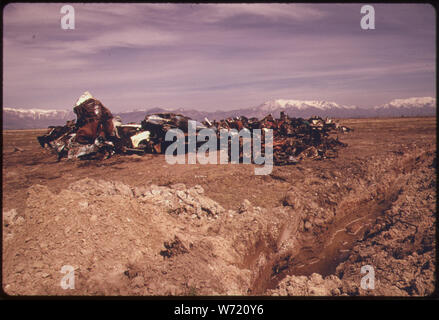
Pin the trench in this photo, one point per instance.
(320, 253)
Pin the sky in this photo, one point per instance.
(216, 56)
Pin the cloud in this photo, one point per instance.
(299, 12)
(217, 55)
(131, 37)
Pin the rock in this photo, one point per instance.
(318, 291)
(199, 189)
(245, 206)
(138, 282)
(19, 268)
(335, 292)
(294, 199)
(209, 206)
(289, 199)
(83, 205)
(313, 285)
(316, 278)
(138, 192)
(9, 216)
(123, 189)
(179, 186)
(19, 220)
(181, 194)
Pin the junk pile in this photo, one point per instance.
(96, 134)
(93, 134)
(158, 124)
(293, 138)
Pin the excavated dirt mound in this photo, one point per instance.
(137, 226)
(123, 240)
(394, 233)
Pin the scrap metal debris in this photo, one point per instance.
(293, 138)
(173, 248)
(97, 134)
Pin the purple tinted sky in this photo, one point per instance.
(216, 56)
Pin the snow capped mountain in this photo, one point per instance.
(415, 102)
(304, 108)
(18, 118)
(410, 107)
(273, 105)
(14, 118)
(416, 106)
(38, 113)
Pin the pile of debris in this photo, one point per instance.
(97, 134)
(293, 138)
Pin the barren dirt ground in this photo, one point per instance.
(135, 225)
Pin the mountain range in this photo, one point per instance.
(18, 118)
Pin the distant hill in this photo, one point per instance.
(14, 118)
(425, 106)
(34, 118)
